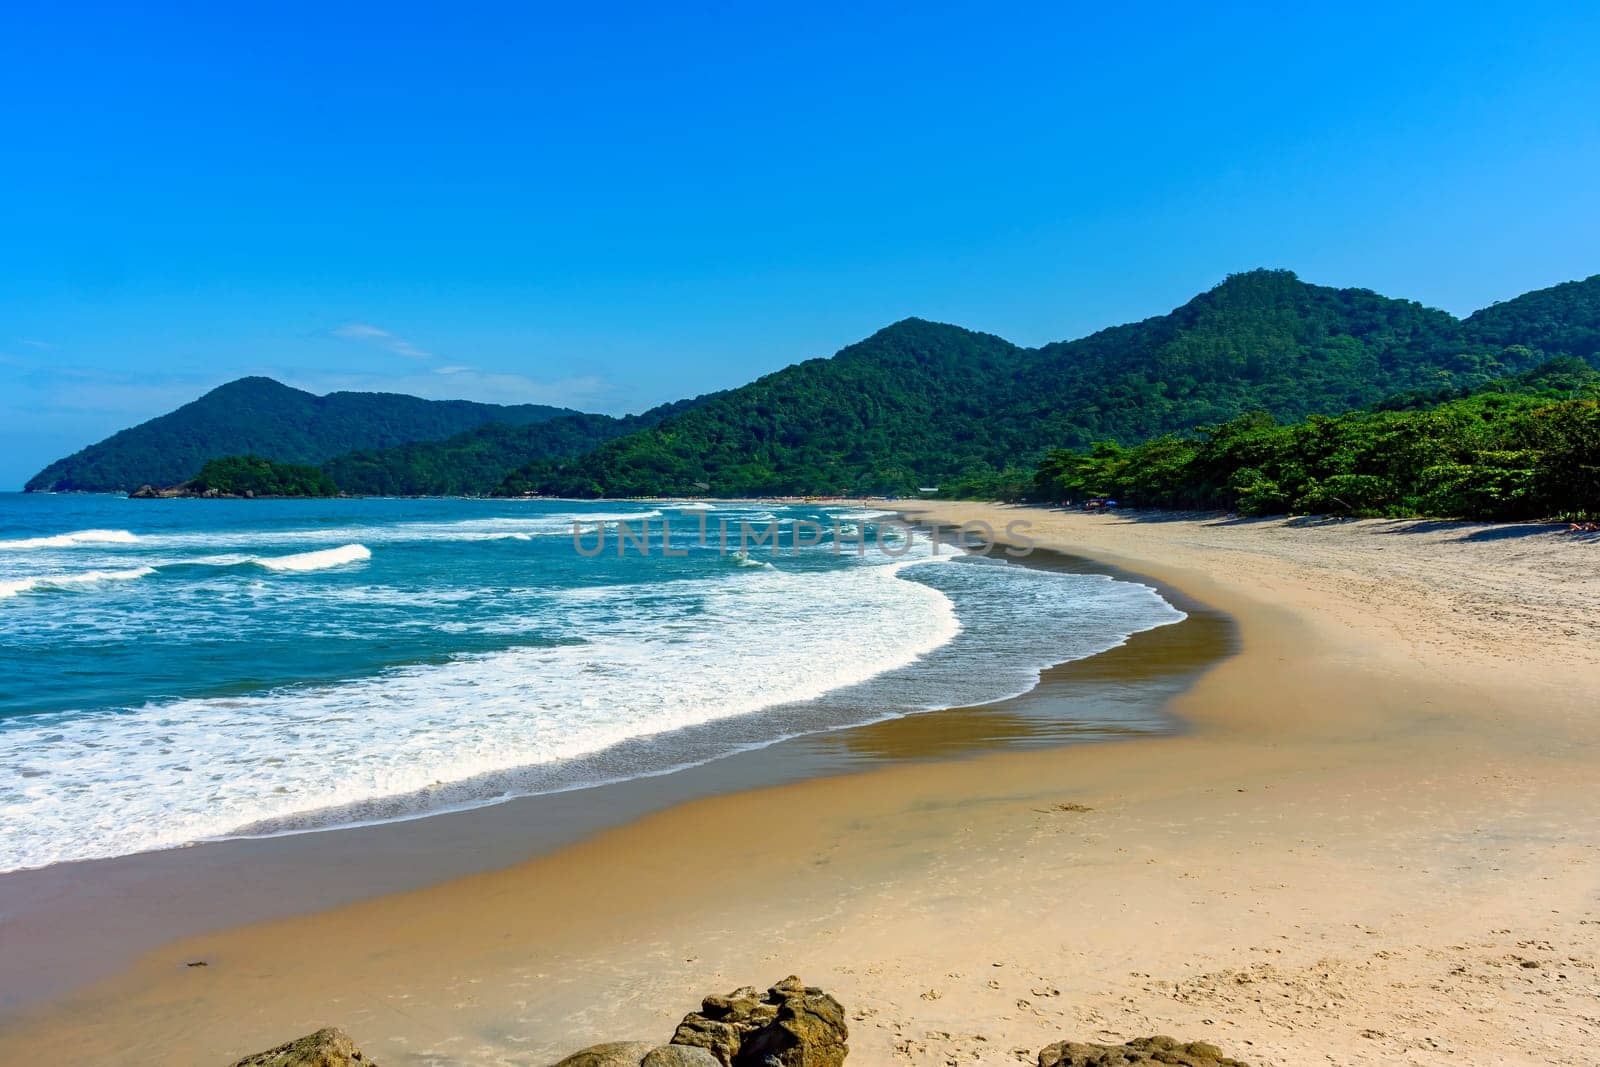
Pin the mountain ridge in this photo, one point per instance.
(920, 402)
(260, 415)
(1260, 340)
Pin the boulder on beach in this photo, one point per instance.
(639, 1054)
(611, 1054)
(678, 1056)
(1146, 1050)
(792, 1025)
(330, 1047)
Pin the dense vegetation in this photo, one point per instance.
(882, 413)
(1561, 319)
(1523, 448)
(262, 417)
(254, 476)
(476, 462)
(923, 404)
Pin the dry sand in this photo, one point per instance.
(1377, 844)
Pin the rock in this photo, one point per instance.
(640, 1054)
(678, 1056)
(722, 1023)
(615, 1054)
(1151, 1050)
(325, 1048)
(793, 1025)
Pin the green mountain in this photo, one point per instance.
(924, 404)
(1563, 319)
(475, 462)
(262, 417)
(891, 404)
(1259, 341)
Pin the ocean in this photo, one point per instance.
(174, 671)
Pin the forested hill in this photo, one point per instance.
(1561, 320)
(263, 417)
(892, 404)
(476, 462)
(1261, 341)
(925, 404)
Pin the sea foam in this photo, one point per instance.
(321, 560)
(18, 586)
(71, 540)
(166, 774)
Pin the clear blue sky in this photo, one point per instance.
(615, 208)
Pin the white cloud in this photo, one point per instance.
(370, 334)
(451, 381)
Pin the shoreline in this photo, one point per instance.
(382, 663)
(1335, 861)
(195, 889)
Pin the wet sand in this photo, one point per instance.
(1375, 842)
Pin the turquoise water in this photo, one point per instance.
(178, 670)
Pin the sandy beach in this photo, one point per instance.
(1375, 842)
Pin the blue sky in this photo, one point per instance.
(615, 207)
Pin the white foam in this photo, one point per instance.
(859, 516)
(18, 586)
(71, 540)
(163, 775)
(315, 561)
(508, 535)
(484, 529)
(633, 516)
(319, 560)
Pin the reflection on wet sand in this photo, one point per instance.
(1120, 693)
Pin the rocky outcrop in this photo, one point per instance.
(188, 491)
(790, 1025)
(640, 1054)
(678, 1056)
(1148, 1050)
(325, 1048)
(793, 1025)
(614, 1054)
